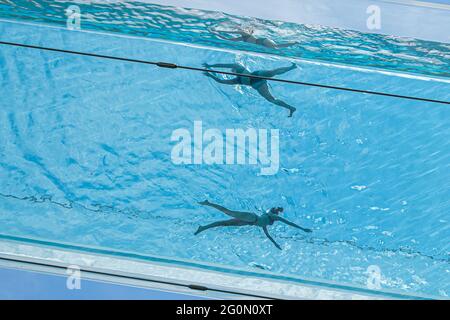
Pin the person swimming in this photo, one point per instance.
(260, 85)
(247, 35)
(241, 218)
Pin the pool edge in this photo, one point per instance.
(129, 269)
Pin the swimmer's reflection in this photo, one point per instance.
(242, 218)
(260, 85)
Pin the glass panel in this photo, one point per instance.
(306, 41)
(89, 155)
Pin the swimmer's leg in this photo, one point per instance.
(248, 217)
(236, 39)
(235, 67)
(275, 72)
(224, 223)
(263, 90)
(286, 45)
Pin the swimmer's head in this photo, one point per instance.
(276, 210)
(249, 30)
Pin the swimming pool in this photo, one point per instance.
(86, 144)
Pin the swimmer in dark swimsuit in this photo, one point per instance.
(259, 85)
(247, 36)
(248, 219)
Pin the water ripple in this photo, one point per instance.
(194, 26)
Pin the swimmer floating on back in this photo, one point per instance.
(246, 35)
(248, 219)
(259, 85)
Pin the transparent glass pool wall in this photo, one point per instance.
(87, 158)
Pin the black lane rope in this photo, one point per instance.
(174, 66)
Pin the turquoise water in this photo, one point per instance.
(195, 26)
(85, 152)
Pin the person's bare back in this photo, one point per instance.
(249, 37)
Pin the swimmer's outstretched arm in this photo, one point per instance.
(270, 238)
(223, 65)
(292, 224)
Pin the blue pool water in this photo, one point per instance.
(196, 26)
(85, 148)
